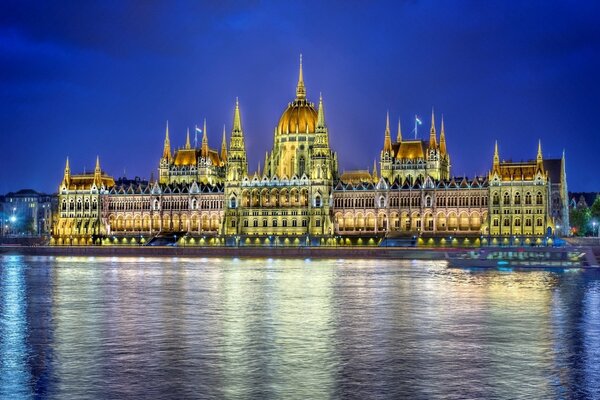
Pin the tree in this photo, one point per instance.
(580, 220)
(595, 208)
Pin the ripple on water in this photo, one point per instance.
(75, 327)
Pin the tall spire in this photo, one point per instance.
(321, 114)
(224, 146)
(432, 138)
(375, 179)
(204, 151)
(387, 143)
(539, 152)
(67, 175)
(237, 162)
(496, 154)
(237, 119)
(442, 137)
(300, 89)
(399, 136)
(97, 172)
(187, 140)
(265, 172)
(167, 146)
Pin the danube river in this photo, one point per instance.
(225, 328)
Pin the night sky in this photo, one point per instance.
(81, 79)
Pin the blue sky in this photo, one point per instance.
(81, 79)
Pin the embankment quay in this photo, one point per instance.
(318, 252)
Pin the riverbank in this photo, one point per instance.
(240, 252)
(317, 252)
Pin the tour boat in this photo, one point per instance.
(524, 258)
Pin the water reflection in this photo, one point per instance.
(222, 328)
(14, 370)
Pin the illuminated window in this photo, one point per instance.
(538, 199)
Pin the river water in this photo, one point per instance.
(79, 327)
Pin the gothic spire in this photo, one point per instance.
(187, 140)
(539, 152)
(204, 151)
(97, 172)
(300, 89)
(321, 114)
(167, 146)
(387, 143)
(224, 146)
(442, 137)
(496, 154)
(237, 119)
(432, 138)
(375, 170)
(67, 176)
(399, 136)
(265, 172)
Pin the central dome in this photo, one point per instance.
(300, 116)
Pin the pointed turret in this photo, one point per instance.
(224, 146)
(540, 158)
(321, 114)
(237, 120)
(432, 137)
(67, 174)
(204, 151)
(399, 136)
(300, 89)
(375, 178)
(97, 172)
(496, 155)
(167, 146)
(237, 162)
(387, 143)
(266, 172)
(188, 145)
(442, 138)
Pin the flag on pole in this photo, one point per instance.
(196, 130)
(418, 120)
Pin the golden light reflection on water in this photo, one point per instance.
(269, 328)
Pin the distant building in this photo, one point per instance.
(27, 213)
(582, 199)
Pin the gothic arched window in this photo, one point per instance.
(301, 165)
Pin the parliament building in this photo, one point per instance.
(206, 196)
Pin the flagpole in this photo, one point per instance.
(416, 119)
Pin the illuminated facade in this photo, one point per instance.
(293, 194)
(78, 219)
(205, 196)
